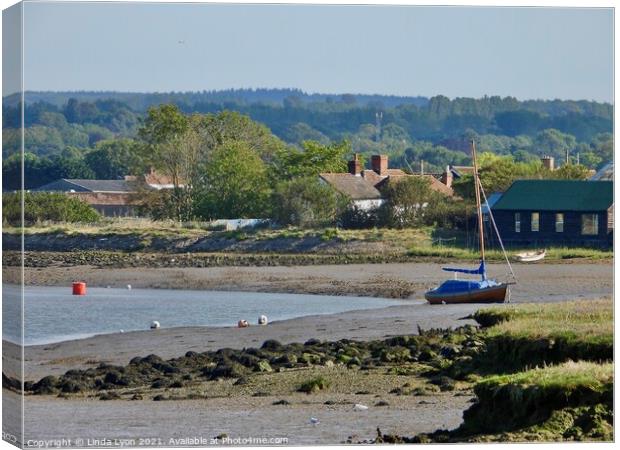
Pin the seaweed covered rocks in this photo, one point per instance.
(430, 349)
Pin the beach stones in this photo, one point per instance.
(263, 366)
(272, 345)
(396, 354)
(46, 385)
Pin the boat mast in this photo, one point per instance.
(478, 205)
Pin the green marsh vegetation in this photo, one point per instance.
(545, 373)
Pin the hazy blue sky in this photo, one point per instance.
(455, 51)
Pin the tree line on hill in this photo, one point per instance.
(226, 165)
(62, 129)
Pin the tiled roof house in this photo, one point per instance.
(363, 186)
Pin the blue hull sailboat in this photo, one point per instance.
(484, 290)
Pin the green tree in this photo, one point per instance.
(407, 201)
(215, 129)
(162, 132)
(113, 159)
(172, 144)
(236, 184)
(313, 159)
(555, 143)
(305, 202)
(570, 172)
(301, 132)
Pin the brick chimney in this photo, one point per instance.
(446, 177)
(547, 162)
(355, 166)
(379, 164)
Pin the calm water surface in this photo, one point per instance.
(52, 314)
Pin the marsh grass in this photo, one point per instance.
(566, 401)
(553, 254)
(568, 377)
(532, 335)
(582, 320)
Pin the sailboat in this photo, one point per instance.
(485, 290)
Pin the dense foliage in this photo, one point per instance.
(256, 154)
(410, 130)
(45, 206)
(305, 202)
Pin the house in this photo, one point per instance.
(154, 180)
(114, 198)
(362, 194)
(364, 186)
(556, 212)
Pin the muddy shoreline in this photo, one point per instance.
(50, 417)
(548, 282)
(537, 283)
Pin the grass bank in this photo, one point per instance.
(523, 336)
(142, 235)
(544, 373)
(570, 401)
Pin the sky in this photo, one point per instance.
(529, 53)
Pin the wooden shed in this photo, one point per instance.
(556, 212)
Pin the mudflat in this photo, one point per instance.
(536, 283)
(549, 281)
(240, 415)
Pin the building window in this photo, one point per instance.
(535, 221)
(517, 222)
(559, 223)
(589, 224)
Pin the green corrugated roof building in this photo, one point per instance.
(557, 195)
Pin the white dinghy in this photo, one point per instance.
(530, 256)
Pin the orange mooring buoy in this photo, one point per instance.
(79, 288)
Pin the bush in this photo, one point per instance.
(306, 202)
(46, 206)
(357, 218)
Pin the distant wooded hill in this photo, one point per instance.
(64, 127)
(141, 101)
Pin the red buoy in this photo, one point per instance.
(79, 288)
